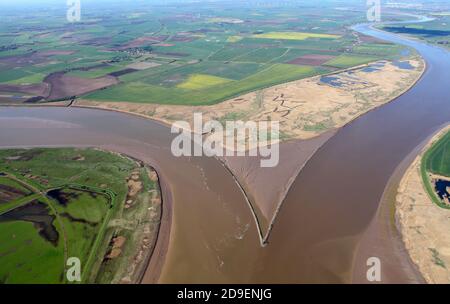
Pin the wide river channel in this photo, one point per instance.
(208, 233)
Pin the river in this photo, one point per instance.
(337, 195)
(208, 233)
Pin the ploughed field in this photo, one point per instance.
(191, 55)
(57, 204)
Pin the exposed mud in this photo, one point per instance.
(267, 187)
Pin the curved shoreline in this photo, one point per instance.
(384, 230)
(247, 193)
(161, 243)
(156, 259)
(372, 146)
(292, 180)
(383, 235)
(406, 202)
(154, 264)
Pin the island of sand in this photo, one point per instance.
(423, 224)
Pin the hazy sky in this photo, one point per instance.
(161, 1)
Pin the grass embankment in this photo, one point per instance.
(436, 161)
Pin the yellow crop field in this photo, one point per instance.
(200, 81)
(294, 35)
(233, 39)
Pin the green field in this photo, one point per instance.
(294, 36)
(210, 94)
(436, 31)
(58, 203)
(347, 61)
(27, 257)
(235, 48)
(437, 161)
(94, 73)
(201, 81)
(378, 49)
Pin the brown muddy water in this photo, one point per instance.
(212, 229)
(213, 237)
(337, 194)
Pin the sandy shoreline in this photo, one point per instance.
(383, 240)
(385, 236)
(156, 260)
(423, 224)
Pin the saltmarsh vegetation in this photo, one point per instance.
(61, 203)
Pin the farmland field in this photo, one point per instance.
(436, 31)
(437, 159)
(294, 36)
(199, 81)
(346, 61)
(210, 94)
(435, 168)
(186, 55)
(59, 203)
